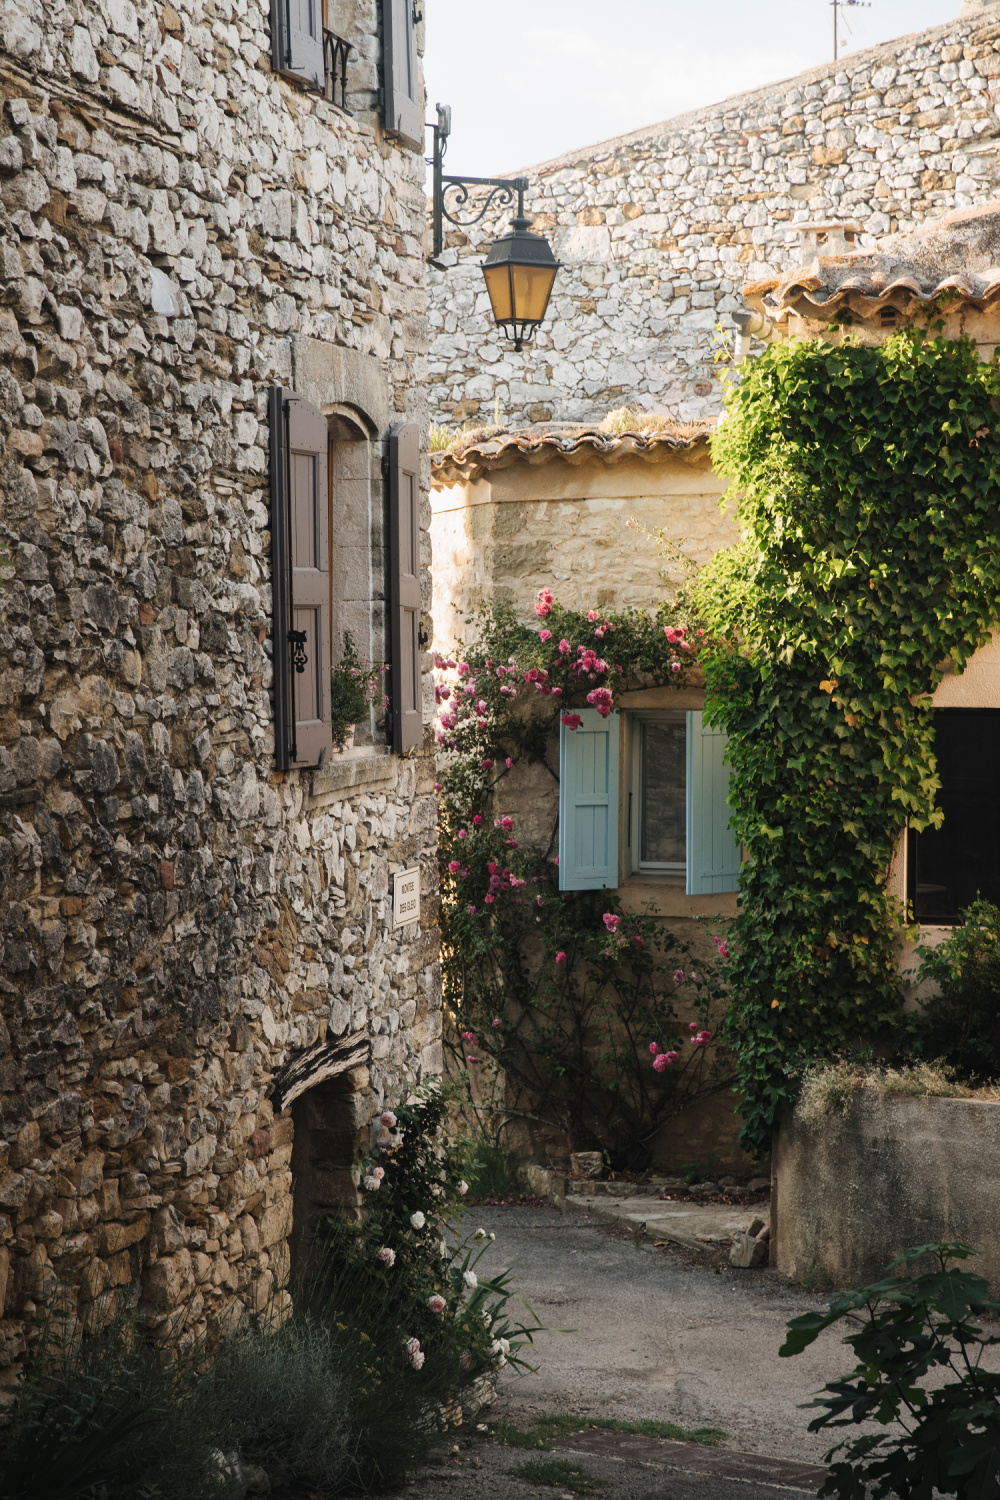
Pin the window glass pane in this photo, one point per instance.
(662, 793)
(949, 866)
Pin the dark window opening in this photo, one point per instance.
(948, 867)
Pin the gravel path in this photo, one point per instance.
(655, 1336)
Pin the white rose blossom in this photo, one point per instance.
(470, 1278)
(417, 1220)
(372, 1184)
(463, 1187)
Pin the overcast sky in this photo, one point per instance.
(530, 79)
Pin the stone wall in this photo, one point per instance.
(179, 230)
(582, 524)
(658, 230)
(879, 1173)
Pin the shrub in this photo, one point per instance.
(402, 1291)
(354, 686)
(108, 1413)
(914, 1330)
(279, 1397)
(961, 1024)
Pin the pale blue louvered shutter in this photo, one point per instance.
(588, 803)
(713, 855)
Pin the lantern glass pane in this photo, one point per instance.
(532, 285)
(498, 286)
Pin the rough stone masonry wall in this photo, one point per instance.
(176, 919)
(658, 230)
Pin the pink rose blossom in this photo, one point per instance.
(654, 1048)
(612, 922)
(462, 833)
(545, 635)
(702, 1039)
(436, 1303)
(592, 614)
(487, 764)
(565, 647)
(544, 605)
(507, 823)
(453, 867)
(471, 910)
(560, 956)
(678, 976)
(477, 820)
(509, 763)
(497, 1021)
(572, 721)
(388, 1119)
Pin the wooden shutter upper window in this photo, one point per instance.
(404, 106)
(300, 521)
(297, 40)
(404, 586)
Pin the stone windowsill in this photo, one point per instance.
(361, 766)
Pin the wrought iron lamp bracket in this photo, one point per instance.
(503, 189)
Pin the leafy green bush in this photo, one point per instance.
(913, 1330)
(108, 1413)
(960, 1025)
(401, 1288)
(354, 686)
(493, 1171)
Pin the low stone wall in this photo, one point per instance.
(888, 1172)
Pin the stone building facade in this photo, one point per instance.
(191, 937)
(583, 512)
(658, 230)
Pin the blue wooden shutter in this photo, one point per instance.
(588, 803)
(713, 856)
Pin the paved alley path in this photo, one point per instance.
(648, 1336)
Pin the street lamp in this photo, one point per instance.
(520, 268)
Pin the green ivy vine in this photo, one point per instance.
(869, 504)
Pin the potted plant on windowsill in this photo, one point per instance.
(354, 684)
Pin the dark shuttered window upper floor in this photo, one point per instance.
(345, 570)
(403, 107)
(404, 585)
(300, 551)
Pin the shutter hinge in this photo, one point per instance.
(418, 15)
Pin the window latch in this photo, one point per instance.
(297, 641)
(418, 15)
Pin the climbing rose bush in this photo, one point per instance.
(558, 992)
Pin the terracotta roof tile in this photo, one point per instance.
(572, 445)
(957, 255)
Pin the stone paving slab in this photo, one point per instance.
(696, 1225)
(692, 1458)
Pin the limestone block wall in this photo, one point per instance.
(585, 527)
(659, 229)
(179, 230)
